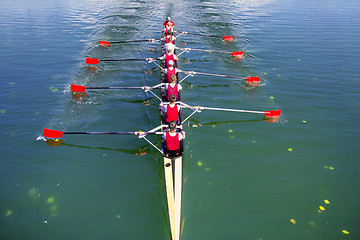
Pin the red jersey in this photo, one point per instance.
(172, 90)
(169, 22)
(172, 113)
(168, 31)
(169, 57)
(170, 72)
(168, 40)
(172, 142)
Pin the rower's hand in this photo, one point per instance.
(183, 133)
(140, 134)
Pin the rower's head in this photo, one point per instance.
(172, 98)
(168, 19)
(172, 125)
(173, 78)
(170, 47)
(171, 63)
(168, 30)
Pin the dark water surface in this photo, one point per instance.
(243, 178)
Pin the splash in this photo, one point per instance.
(41, 138)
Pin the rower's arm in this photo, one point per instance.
(162, 108)
(183, 135)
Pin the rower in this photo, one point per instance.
(172, 141)
(171, 111)
(173, 89)
(169, 38)
(170, 55)
(171, 70)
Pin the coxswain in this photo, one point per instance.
(168, 26)
(170, 55)
(171, 111)
(172, 141)
(171, 70)
(173, 89)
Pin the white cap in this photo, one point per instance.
(171, 63)
(170, 47)
(168, 19)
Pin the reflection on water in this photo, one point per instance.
(140, 151)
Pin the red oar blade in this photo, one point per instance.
(77, 88)
(49, 133)
(253, 81)
(228, 38)
(92, 61)
(104, 43)
(273, 114)
(238, 55)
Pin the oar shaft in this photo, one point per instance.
(199, 34)
(126, 59)
(216, 75)
(114, 87)
(229, 110)
(101, 133)
(141, 40)
(113, 133)
(204, 50)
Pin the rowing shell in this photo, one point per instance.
(172, 166)
(173, 182)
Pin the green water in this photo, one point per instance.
(243, 178)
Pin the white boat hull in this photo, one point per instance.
(173, 181)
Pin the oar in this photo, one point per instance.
(225, 38)
(79, 88)
(50, 133)
(268, 114)
(107, 43)
(249, 80)
(96, 61)
(234, 54)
